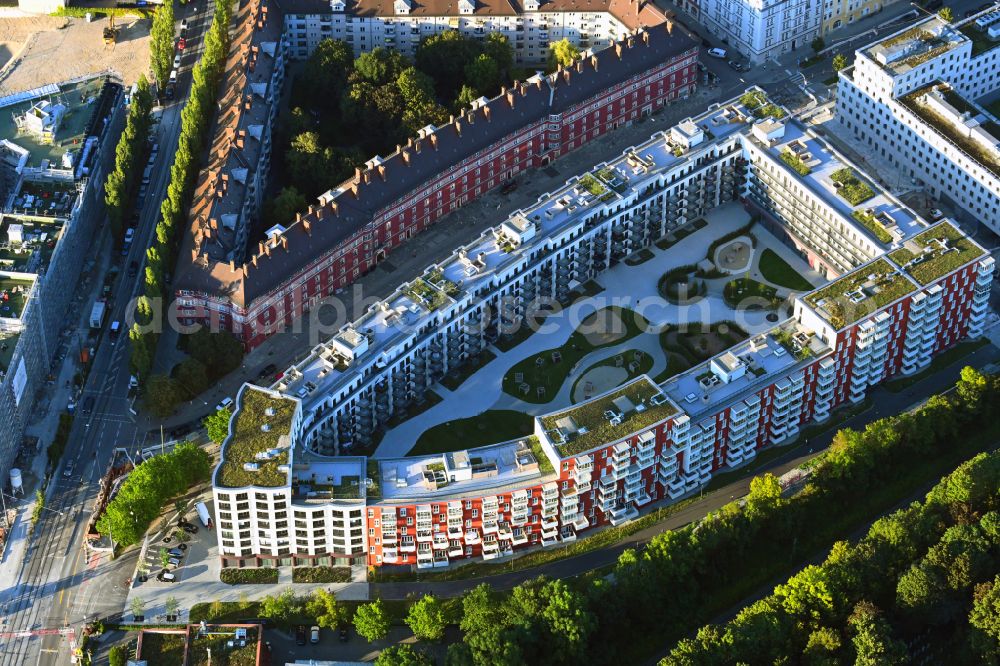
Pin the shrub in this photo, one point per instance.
(852, 188)
(321, 575)
(248, 576)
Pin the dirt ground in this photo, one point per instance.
(600, 379)
(35, 51)
(608, 329)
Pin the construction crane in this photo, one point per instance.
(110, 32)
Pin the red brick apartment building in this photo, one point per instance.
(256, 291)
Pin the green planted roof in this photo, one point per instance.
(935, 253)
(248, 438)
(860, 293)
(592, 427)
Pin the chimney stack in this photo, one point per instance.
(618, 51)
(458, 127)
(307, 227)
(593, 61)
(381, 171)
(486, 112)
(434, 141)
(357, 174)
(406, 157)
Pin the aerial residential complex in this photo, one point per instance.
(400, 24)
(762, 30)
(899, 290)
(255, 291)
(54, 148)
(925, 99)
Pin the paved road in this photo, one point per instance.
(60, 584)
(885, 403)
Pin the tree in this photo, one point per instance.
(280, 607)
(164, 557)
(818, 44)
(839, 62)
(498, 47)
(161, 43)
(325, 73)
(483, 74)
(192, 376)
(315, 167)
(220, 352)
(446, 54)
(137, 606)
(972, 388)
(427, 619)
(764, 497)
(946, 14)
(217, 425)
(403, 655)
(380, 65)
(822, 647)
(569, 620)
(563, 52)
(806, 595)
(118, 655)
(282, 209)
(323, 606)
(172, 605)
(873, 642)
(984, 621)
(371, 621)
(163, 394)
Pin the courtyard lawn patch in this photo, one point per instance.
(490, 427)
(747, 294)
(249, 576)
(321, 575)
(213, 650)
(852, 188)
(780, 272)
(698, 343)
(548, 368)
(455, 379)
(640, 257)
(645, 364)
(162, 649)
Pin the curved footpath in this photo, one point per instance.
(885, 403)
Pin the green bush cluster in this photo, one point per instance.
(147, 490)
(321, 575)
(737, 548)
(58, 445)
(852, 188)
(248, 576)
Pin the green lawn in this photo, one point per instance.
(640, 257)
(645, 365)
(544, 370)
(455, 378)
(163, 649)
(748, 294)
(778, 271)
(675, 365)
(493, 425)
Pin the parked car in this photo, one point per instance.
(176, 552)
(314, 635)
(166, 576)
(935, 213)
(181, 43)
(133, 269)
(300, 635)
(177, 61)
(268, 371)
(738, 66)
(508, 186)
(344, 636)
(225, 404)
(88, 405)
(68, 472)
(717, 53)
(184, 24)
(189, 528)
(174, 561)
(169, 91)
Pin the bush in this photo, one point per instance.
(852, 188)
(321, 575)
(118, 655)
(58, 445)
(742, 231)
(248, 576)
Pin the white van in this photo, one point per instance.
(173, 76)
(225, 404)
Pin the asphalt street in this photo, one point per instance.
(61, 584)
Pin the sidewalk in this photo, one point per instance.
(434, 244)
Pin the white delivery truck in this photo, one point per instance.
(97, 313)
(202, 510)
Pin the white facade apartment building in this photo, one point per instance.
(917, 98)
(284, 498)
(762, 29)
(400, 24)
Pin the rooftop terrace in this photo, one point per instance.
(874, 214)
(330, 479)
(257, 451)
(607, 418)
(860, 293)
(492, 468)
(901, 52)
(78, 100)
(14, 293)
(743, 369)
(974, 134)
(8, 343)
(936, 252)
(26, 246)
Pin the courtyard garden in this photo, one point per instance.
(680, 286)
(490, 427)
(537, 378)
(609, 373)
(747, 294)
(778, 271)
(694, 344)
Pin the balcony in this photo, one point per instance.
(407, 545)
(440, 541)
(490, 526)
(519, 537)
(389, 538)
(580, 522)
(491, 549)
(624, 514)
(472, 537)
(567, 534)
(425, 536)
(455, 549)
(390, 556)
(425, 559)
